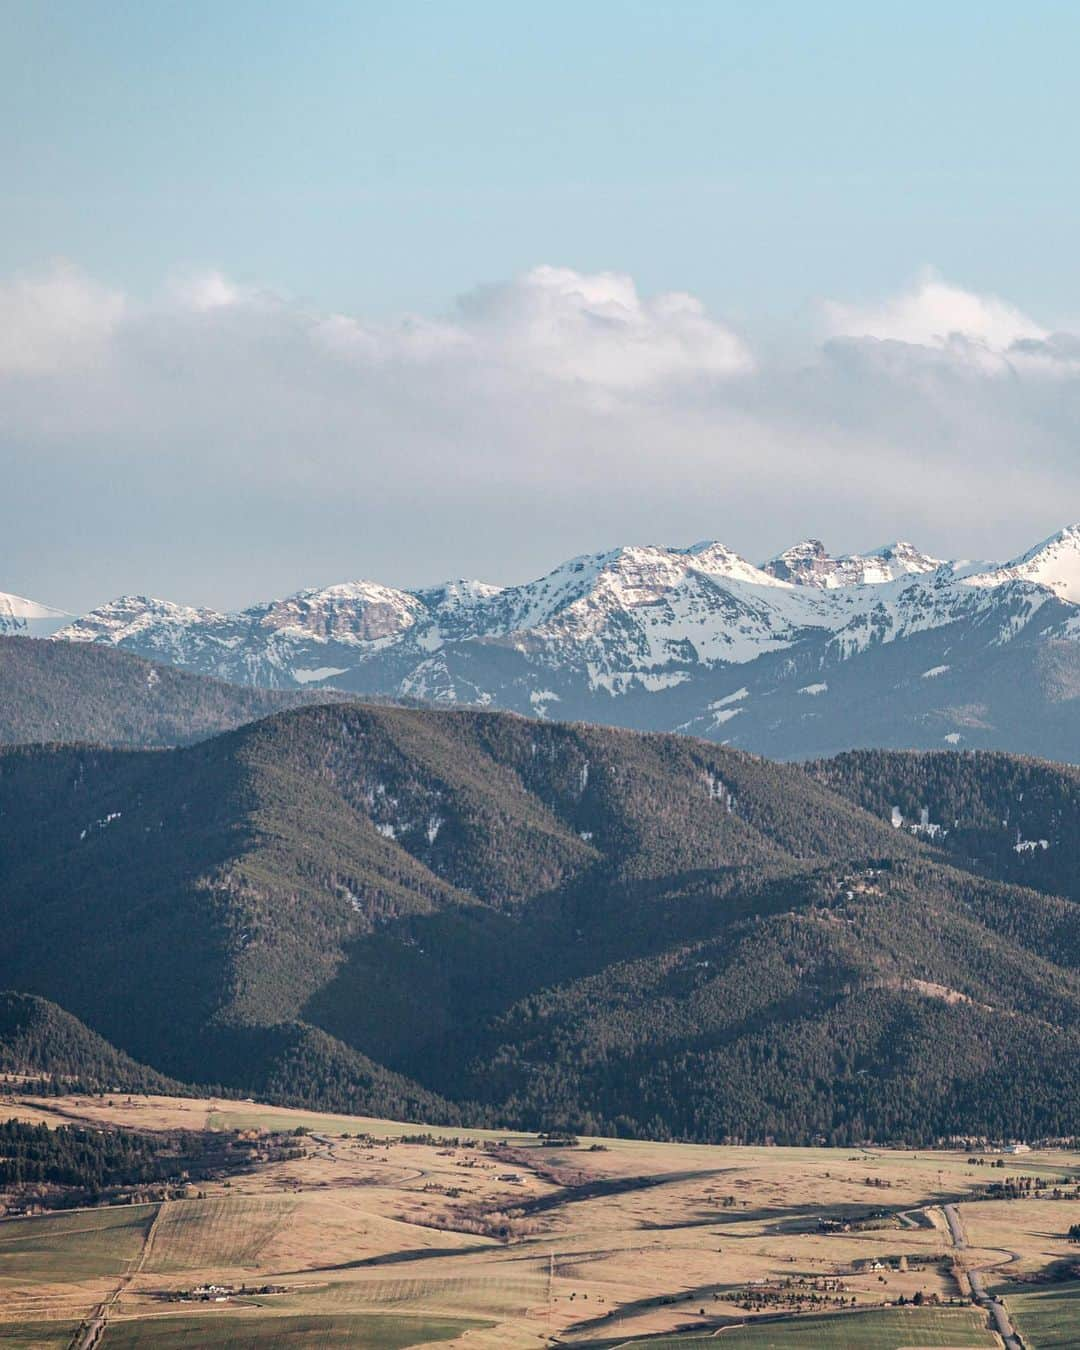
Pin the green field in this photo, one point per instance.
(219, 1233)
(890, 1329)
(78, 1245)
(228, 1332)
(36, 1335)
(1049, 1319)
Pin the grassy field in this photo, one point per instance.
(67, 1247)
(36, 1335)
(890, 1329)
(507, 1295)
(232, 1116)
(1048, 1319)
(230, 1332)
(217, 1233)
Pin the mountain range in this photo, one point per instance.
(804, 656)
(475, 917)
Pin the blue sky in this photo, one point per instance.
(191, 188)
(390, 155)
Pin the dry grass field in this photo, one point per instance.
(493, 1241)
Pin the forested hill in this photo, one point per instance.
(39, 1039)
(59, 691)
(1007, 816)
(477, 917)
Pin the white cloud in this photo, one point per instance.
(597, 330)
(57, 319)
(936, 314)
(273, 444)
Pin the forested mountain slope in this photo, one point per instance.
(37, 1038)
(52, 691)
(483, 917)
(1007, 816)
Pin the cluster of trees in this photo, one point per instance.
(94, 1160)
(67, 1156)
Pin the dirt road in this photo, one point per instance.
(91, 1331)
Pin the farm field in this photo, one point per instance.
(374, 1332)
(1048, 1318)
(890, 1329)
(36, 1335)
(389, 1235)
(81, 1244)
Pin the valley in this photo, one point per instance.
(393, 1235)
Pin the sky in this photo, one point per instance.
(294, 294)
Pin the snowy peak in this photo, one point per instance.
(133, 616)
(808, 563)
(720, 561)
(1055, 563)
(29, 618)
(902, 559)
(352, 612)
(803, 564)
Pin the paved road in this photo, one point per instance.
(992, 1306)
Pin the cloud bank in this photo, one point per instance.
(219, 441)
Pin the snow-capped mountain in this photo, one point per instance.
(805, 654)
(808, 564)
(26, 618)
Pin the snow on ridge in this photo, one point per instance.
(633, 619)
(30, 618)
(1053, 563)
(808, 563)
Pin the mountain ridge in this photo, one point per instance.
(694, 639)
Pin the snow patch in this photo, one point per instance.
(725, 715)
(730, 698)
(934, 672)
(309, 675)
(813, 689)
(99, 824)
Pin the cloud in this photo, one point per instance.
(936, 314)
(598, 331)
(62, 318)
(218, 442)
